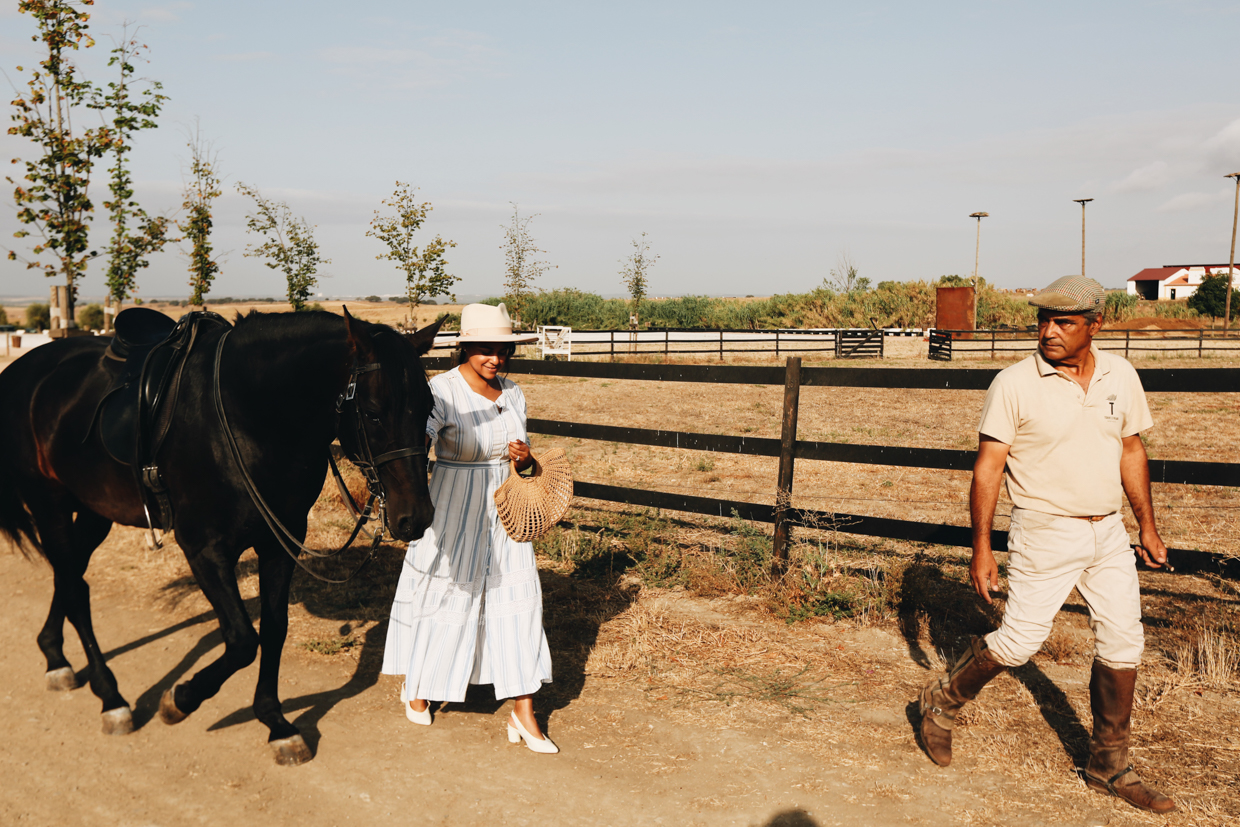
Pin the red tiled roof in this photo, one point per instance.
(1156, 273)
(1182, 281)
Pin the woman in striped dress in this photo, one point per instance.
(468, 605)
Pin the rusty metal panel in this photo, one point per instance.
(953, 310)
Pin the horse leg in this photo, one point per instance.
(216, 576)
(69, 545)
(275, 574)
(60, 674)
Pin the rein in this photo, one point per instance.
(369, 466)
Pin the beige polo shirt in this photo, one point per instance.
(1065, 444)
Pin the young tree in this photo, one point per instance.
(845, 278)
(634, 272)
(425, 272)
(521, 264)
(201, 188)
(288, 245)
(1210, 299)
(52, 196)
(130, 245)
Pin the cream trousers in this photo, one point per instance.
(1050, 555)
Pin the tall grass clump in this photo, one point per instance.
(819, 581)
(1121, 306)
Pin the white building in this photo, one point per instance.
(1173, 281)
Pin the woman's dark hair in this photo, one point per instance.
(507, 351)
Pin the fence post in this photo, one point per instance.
(611, 336)
(721, 344)
(777, 343)
(992, 343)
(1127, 338)
(1201, 339)
(666, 336)
(783, 495)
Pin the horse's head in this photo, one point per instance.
(382, 427)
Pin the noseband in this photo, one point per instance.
(368, 464)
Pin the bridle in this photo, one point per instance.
(369, 464)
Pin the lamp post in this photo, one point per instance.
(977, 252)
(1082, 202)
(1231, 262)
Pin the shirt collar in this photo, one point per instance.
(1101, 366)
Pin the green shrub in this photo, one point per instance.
(451, 321)
(38, 317)
(4, 316)
(1210, 299)
(90, 317)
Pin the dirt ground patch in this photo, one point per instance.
(670, 708)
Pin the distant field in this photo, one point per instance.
(383, 312)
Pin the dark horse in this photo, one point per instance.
(290, 384)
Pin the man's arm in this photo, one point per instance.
(983, 497)
(1134, 473)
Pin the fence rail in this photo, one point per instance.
(788, 448)
(945, 343)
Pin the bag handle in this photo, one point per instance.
(513, 467)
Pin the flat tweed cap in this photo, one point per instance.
(1071, 294)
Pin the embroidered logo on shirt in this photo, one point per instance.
(1111, 401)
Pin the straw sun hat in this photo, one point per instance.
(484, 323)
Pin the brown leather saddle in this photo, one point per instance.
(146, 357)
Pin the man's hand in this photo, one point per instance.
(985, 573)
(1151, 549)
(1134, 473)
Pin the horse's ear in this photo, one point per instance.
(359, 340)
(424, 339)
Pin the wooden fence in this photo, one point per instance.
(843, 343)
(788, 448)
(1005, 343)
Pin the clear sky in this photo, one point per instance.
(754, 143)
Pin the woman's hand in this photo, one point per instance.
(519, 453)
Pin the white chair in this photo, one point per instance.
(555, 340)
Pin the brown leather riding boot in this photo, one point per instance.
(943, 698)
(1108, 770)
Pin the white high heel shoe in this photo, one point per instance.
(424, 717)
(516, 732)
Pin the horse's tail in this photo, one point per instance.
(15, 521)
(16, 524)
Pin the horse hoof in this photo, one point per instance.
(291, 751)
(118, 721)
(62, 679)
(168, 712)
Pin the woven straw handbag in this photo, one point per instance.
(529, 506)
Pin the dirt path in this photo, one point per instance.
(623, 761)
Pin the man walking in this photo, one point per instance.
(1065, 426)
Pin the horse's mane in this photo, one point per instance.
(287, 326)
(291, 328)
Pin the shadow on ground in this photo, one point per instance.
(954, 614)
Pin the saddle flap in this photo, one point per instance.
(118, 424)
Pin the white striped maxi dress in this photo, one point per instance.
(468, 605)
